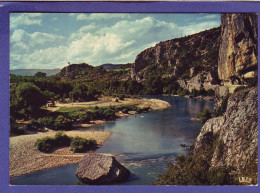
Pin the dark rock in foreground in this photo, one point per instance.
(101, 169)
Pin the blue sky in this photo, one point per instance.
(51, 40)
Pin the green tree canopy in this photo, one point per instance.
(40, 74)
(27, 99)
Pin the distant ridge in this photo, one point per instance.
(31, 72)
(109, 66)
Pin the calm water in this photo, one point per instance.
(145, 143)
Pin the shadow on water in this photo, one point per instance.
(145, 143)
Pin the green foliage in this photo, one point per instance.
(106, 113)
(15, 130)
(182, 92)
(47, 122)
(202, 91)
(82, 93)
(34, 125)
(40, 74)
(62, 139)
(47, 144)
(72, 112)
(204, 115)
(240, 88)
(86, 117)
(81, 145)
(62, 123)
(195, 169)
(26, 100)
(122, 97)
(221, 176)
(222, 108)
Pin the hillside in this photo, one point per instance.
(181, 57)
(86, 73)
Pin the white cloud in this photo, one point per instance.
(208, 17)
(97, 43)
(198, 27)
(25, 19)
(23, 40)
(44, 58)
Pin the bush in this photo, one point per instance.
(86, 117)
(240, 88)
(61, 139)
(109, 113)
(45, 144)
(62, 123)
(34, 125)
(125, 111)
(204, 115)
(47, 122)
(122, 97)
(16, 130)
(222, 108)
(78, 144)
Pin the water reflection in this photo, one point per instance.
(146, 142)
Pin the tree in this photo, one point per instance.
(82, 92)
(27, 99)
(40, 74)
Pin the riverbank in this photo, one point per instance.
(154, 104)
(25, 158)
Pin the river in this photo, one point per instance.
(145, 143)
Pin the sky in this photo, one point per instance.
(52, 40)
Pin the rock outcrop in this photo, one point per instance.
(101, 169)
(202, 80)
(181, 56)
(235, 133)
(238, 48)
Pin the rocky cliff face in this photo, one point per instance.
(238, 48)
(181, 56)
(235, 134)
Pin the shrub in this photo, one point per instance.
(34, 125)
(47, 122)
(122, 97)
(16, 130)
(240, 88)
(61, 139)
(204, 115)
(45, 144)
(222, 108)
(109, 113)
(86, 117)
(202, 91)
(182, 92)
(211, 92)
(125, 111)
(81, 145)
(62, 123)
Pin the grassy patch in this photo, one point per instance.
(72, 112)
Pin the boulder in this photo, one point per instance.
(101, 169)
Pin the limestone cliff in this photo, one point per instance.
(238, 48)
(235, 135)
(186, 56)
